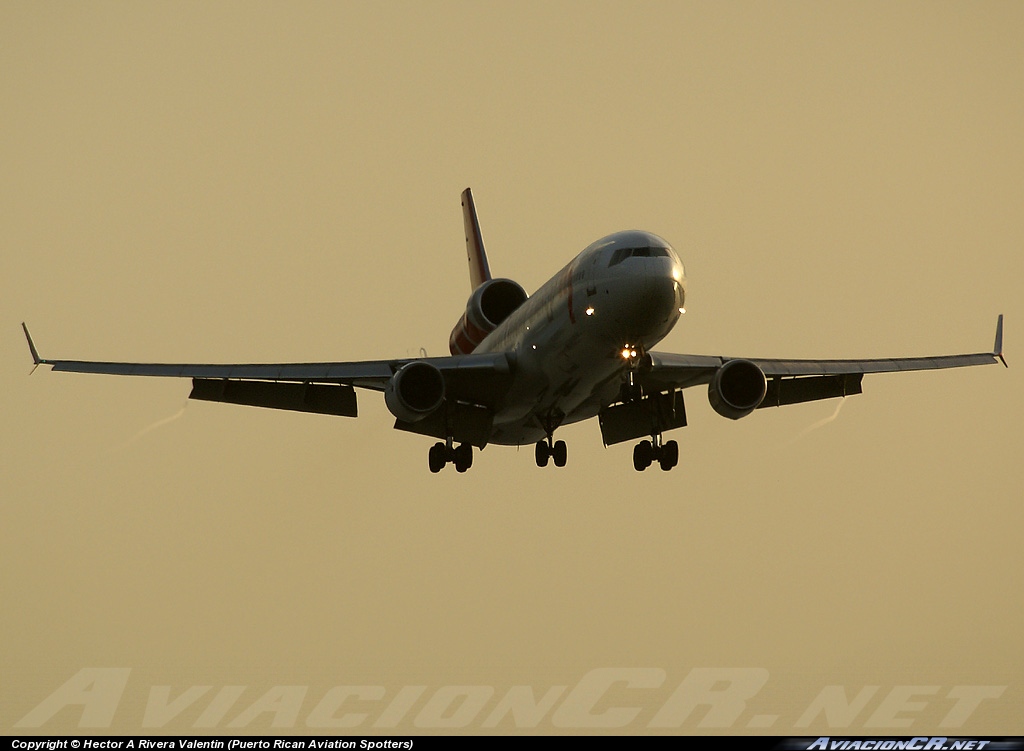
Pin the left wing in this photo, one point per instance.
(793, 381)
(324, 387)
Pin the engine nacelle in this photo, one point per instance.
(416, 390)
(737, 388)
(490, 304)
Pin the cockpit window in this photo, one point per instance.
(619, 256)
(622, 254)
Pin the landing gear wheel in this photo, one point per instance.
(643, 455)
(463, 457)
(559, 453)
(542, 453)
(669, 455)
(437, 457)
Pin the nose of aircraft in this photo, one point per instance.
(652, 304)
(662, 300)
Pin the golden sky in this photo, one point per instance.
(280, 181)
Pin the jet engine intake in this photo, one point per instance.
(416, 390)
(737, 388)
(490, 304)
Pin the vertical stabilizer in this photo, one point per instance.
(479, 271)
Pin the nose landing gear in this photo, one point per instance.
(646, 453)
(442, 453)
(630, 390)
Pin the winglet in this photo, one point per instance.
(32, 348)
(31, 345)
(997, 348)
(479, 271)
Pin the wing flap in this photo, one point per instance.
(648, 416)
(782, 391)
(464, 423)
(321, 399)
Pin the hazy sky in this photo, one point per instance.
(274, 182)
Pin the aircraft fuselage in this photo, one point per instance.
(623, 293)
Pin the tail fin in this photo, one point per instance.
(479, 271)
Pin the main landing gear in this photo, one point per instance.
(547, 450)
(631, 392)
(646, 453)
(442, 453)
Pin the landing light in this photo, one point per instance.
(625, 353)
(590, 311)
(682, 311)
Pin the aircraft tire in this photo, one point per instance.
(437, 457)
(669, 455)
(542, 454)
(643, 455)
(463, 457)
(559, 453)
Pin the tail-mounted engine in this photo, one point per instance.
(737, 389)
(415, 391)
(490, 304)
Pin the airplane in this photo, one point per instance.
(522, 366)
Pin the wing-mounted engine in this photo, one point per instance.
(737, 389)
(415, 391)
(490, 304)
